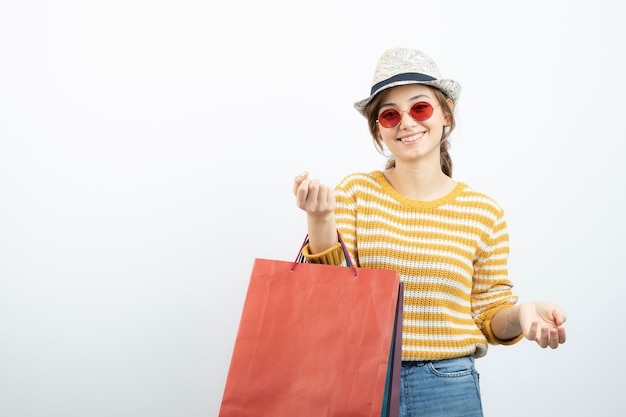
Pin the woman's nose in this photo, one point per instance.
(406, 119)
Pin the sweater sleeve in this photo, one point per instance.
(331, 256)
(492, 289)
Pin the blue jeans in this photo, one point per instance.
(446, 388)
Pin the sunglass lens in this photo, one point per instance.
(389, 118)
(421, 111)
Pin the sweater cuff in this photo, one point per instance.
(331, 256)
(486, 329)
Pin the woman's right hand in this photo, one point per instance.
(316, 199)
(319, 203)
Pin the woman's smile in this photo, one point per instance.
(412, 138)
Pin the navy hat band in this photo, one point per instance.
(407, 76)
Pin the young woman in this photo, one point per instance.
(448, 242)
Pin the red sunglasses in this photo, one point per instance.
(420, 111)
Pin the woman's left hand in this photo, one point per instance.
(543, 322)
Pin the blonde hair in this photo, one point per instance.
(371, 112)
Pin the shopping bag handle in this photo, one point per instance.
(346, 254)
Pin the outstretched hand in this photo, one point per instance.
(543, 322)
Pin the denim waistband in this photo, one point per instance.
(425, 362)
(415, 363)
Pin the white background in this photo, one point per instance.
(148, 148)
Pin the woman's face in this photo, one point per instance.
(412, 140)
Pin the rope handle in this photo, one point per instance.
(301, 259)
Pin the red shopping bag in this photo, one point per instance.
(316, 341)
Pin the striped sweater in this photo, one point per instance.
(451, 254)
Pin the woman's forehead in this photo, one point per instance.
(408, 92)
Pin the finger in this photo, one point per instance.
(302, 193)
(532, 332)
(562, 334)
(327, 196)
(307, 194)
(544, 338)
(560, 317)
(313, 192)
(330, 198)
(322, 197)
(298, 180)
(554, 338)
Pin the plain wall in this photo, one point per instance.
(148, 149)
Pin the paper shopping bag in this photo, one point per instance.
(316, 341)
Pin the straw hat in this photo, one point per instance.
(399, 66)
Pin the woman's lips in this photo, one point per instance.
(412, 138)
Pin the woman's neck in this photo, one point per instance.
(420, 183)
